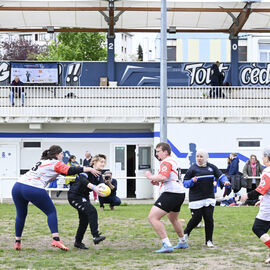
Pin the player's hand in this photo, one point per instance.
(154, 183)
(227, 183)
(194, 179)
(257, 203)
(244, 197)
(215, 184)
(98, 190)
(148, 174)
(92, 170)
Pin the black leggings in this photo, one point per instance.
(260, 227)
(197, 214)
(87, 215)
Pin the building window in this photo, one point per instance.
(171, 53)
(264, 52)
(31, 144)
(242, 53)
(249, 143)
(26, 37)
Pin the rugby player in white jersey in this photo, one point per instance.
(261, 224)
(171, 198)
(31, 188)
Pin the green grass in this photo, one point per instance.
(130, 241)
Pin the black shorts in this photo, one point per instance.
(170, 202)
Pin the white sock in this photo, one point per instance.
(182, 239)
(166, 241)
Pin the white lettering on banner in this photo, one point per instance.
(201, 75)
(255, 75)
(4, 71)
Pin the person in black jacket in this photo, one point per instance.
(217, 79)
(78, 197)
(16, 91)
(201, 178)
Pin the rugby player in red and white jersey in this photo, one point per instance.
(261, 224)
(31, 188)
(171, 198)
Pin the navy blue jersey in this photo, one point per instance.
(203, 188)
(79, 187)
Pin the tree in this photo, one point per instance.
(140, 53)
(20, 50)
(76, 47)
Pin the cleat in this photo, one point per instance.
(267, 261)
(17, 246)
(209, 244)
(80, 245)
(181, 245)
(98, 239)
(165, 249)
(59, 244)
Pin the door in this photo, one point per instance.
(144, 159)
(131, 168)
(8, 168)
(120, 169)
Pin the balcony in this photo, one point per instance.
(133, 104)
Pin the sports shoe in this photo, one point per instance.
(209, 244)
(112, 207)
(98, 239)
(17, 246)
(165, 249)
(80, 245)
(59, 244)
(267, 261)
(181, 245)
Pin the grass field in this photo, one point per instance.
(130, 241)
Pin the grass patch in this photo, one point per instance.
(131, 241)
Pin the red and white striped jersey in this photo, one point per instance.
(168, 168)
(264, 189)
(43, 173)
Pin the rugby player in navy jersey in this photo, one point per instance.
(200, 179)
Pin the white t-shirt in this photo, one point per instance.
(43, 173)
(168, 168)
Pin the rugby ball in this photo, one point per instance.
(105, 191)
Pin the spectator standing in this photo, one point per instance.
(72, 163)
(16, 91)
(216, 79)
(87, 160)
(252, 168)
(233, 166)
(112, 199)
(200, 179)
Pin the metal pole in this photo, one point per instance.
(163, 72)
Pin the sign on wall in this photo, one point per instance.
(148, 73)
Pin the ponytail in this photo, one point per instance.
(45, 154)
(51, 152)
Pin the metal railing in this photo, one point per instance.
(136, 102)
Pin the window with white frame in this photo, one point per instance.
(264, 52)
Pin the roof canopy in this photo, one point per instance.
(135, 16)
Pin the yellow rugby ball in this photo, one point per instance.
(105, 191)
